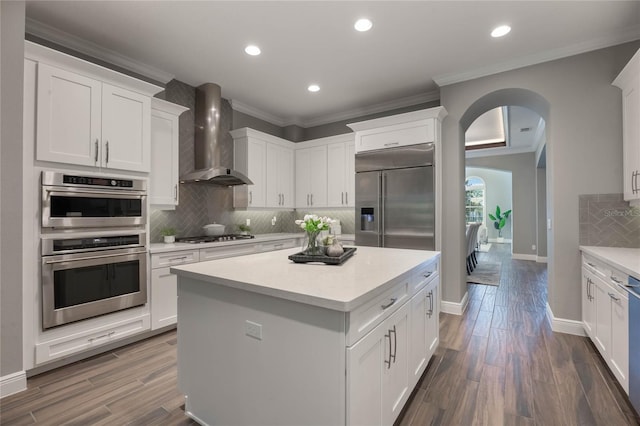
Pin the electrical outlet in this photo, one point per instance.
(248, 222)
(273, 221)
(548, 223)
(253, 329)
(533, 247)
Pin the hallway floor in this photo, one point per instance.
(500, 363)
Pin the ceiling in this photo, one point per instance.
(413, 47)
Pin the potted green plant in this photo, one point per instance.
(499, 221)
(244, 229)
(169, 234)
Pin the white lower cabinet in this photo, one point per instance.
(605, 316)
(88, 338)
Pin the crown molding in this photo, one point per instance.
(261, 114)
(374, 109)
(67, 40)
(338, 116)
(628, 34)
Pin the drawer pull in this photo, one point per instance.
(615, 280)
(92, 339)
(427, 275)
(614, 297)
(389, 361)
(592, 265)
(392, 144)
(395, 344)
(176, 259)
(388, 305)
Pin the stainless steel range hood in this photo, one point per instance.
(208, 169)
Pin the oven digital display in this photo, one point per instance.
(96, 181)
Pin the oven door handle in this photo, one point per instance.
(81, 192)
(72, 258)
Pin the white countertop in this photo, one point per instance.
(627, 260)
(164, 248)
(339, 287)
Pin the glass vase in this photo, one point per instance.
(312, 245)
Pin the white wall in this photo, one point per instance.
(584, 155)
(497, 192)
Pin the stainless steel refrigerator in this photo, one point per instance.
(395, 199)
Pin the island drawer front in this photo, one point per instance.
(595, 266)
(424, 275)
(226, 251)
(366, 317)
(398, 135)
(183, 257)
(609, 274)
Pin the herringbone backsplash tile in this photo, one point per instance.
(606, 220)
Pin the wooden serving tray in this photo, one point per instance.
(303, 258)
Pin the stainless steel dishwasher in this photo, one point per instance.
(633, 287)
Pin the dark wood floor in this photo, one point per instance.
(500, 363)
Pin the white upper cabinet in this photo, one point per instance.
(268, 161)
(629, 81)
(341, 174)
(163, 178)
(279, 170)
(311, 177)
(68, 116)
(410, 128)
(88, 115)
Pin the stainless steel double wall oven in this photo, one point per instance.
(93, 245)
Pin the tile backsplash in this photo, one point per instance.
(203, 204)
(606, 220)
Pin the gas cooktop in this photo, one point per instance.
(213, 238)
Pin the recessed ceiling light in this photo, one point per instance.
(500, 31)
(313, 88)
(252, 50)
(363, 25)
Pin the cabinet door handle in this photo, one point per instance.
(614, 297)
(346, 198)
(342, 198)
(250, 197)
(614, 279)
(388, 362)
(307, 199)
(587, 285)
(107, 148)
(395, 344)
(175, 192)
(430, 310)
(311, 198)
(96, 154)
(283, 199)
(393, 300)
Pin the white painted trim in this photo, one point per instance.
(628, 34)
(420, 98)
(541, 259)
(338, 116)
(490, 152)
(495, 240)
(518, 256)
(13, 383)
(453, 307)
(262, 115)
(561, 325)
(70, 41)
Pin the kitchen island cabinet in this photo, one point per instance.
(285, 343)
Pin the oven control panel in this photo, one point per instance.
(96, 181)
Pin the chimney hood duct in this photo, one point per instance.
(208, 169)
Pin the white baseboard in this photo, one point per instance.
(453, 307)
(518, 256)
(541, 259)
(504, 240)
(562, 325)
(13, 383)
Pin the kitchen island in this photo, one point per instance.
(263, 340)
